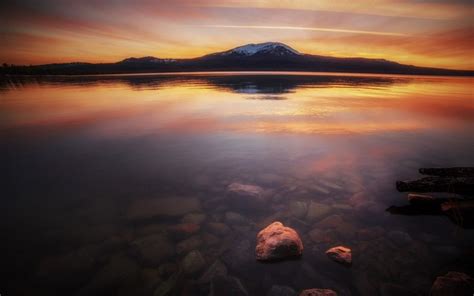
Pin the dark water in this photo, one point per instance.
(109, 182)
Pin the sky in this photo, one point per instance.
(431, 33)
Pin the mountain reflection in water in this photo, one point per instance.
(86, 160)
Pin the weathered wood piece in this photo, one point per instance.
(460, 180)
(459, 211)
(448, 172)
(461, 185)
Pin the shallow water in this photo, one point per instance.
(99, 174)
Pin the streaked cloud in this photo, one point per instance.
(334, 30)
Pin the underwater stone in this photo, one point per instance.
(281, 291)
(227, 285)
(318, 292)
(153, 249)
(316, 211)
(168, 206)
(193, 262)
(453, 283)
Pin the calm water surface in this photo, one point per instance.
(109, 182)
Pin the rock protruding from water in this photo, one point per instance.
(453, 283)
(318, 292)
(340, 254)
(277, 242)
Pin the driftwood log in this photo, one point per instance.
(461, 185)
(448, 172)
(459, 211)
(460, 180)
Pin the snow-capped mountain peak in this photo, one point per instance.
(275, 48)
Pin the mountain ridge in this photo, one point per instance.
(267, 56)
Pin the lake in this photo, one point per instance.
(111, 182)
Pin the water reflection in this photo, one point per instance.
(280, 104)
(88, 159)
(250, 83)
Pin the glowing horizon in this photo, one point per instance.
(428, 33)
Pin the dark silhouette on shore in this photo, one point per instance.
(269, 56)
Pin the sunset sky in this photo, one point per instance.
(421, 32)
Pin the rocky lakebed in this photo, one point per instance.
(270, 239)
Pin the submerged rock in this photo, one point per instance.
(245, 190)
(166, 270)
(332, 221)
(367, 234)
(153, 249)
(342, 207)
(387, 289)
(68, 269)
(168, 206)
(183, 230)
(340, 254)
(112, 275)
(150, 229)
(166, 288)
(298, 209)
(318, 292)
(400, 238)
(453, 283)
(227, 285)
(240, 256)
(246, 196)
(216, 269)
(317, 211)
(281, 291)
(338, 224)
(195, 218)
(319, 236)
(193, 262)
(189, 244)
(209, 239)
(235, 219)
(307, 275)
(151, 279)
(276, 242)
(218, 228)
(270, 179)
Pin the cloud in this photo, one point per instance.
(332, 30)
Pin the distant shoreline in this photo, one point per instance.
(264, 57)
(240, 73)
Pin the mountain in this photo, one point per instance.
(267, 48)
(268, 56)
